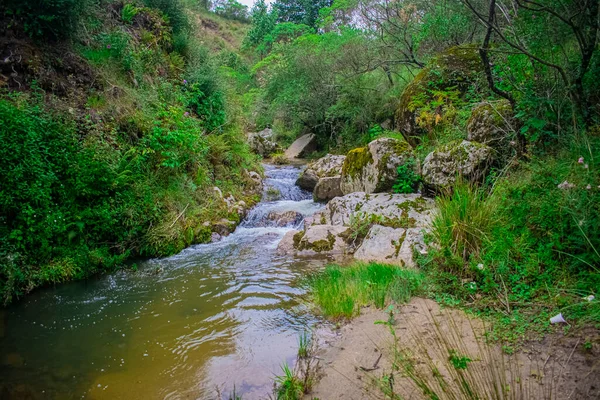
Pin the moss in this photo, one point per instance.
(398, 244)
(356, 160)
(492, 114)
(298, 239)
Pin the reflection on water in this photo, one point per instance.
(213, 316)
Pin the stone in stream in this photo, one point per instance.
(320, 239)
(283, 219)
(325, 167)
(302, 147)
(374, 169)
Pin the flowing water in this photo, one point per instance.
(215, 316)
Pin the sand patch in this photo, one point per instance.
(444, 351)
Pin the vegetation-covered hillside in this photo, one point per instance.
(117, 119)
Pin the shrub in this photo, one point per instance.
(463, 223)
(46, 18)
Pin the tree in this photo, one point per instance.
(231, 9)
(263, 23)
(300, 11)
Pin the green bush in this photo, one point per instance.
(46, 18)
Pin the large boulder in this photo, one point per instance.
(450, 74)
(262, 143)
(395, 218)
(391, 246)
(464, 159)
(328, 188)
(302, 147)
(494, 124)
(395, 210)
(374, 168)
(325, 167)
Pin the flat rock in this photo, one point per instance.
(399, 210)
(320, 239)
(391, 245)
(302, 147)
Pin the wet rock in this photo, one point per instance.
(391, 245)
(308, 180)
(468, 160)
(286, 245)
(215, 237)
(396, 210)
(283, 219)
(328, 188)
(302, 147)
(373, 169)
(262, 143)
(224, 227)
(456, 70)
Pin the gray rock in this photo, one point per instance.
(373, 169)
(391, 246)
(328, 188)
(400, 210)
(308, 180)
(302, 147)
(283, 219)
(494, 124)
(262, 143)
(469, 160)
(215, 237)
(286, 245)
(324, 167)
(321, 239)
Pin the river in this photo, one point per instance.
(216, 316)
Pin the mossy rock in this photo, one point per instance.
(374, 169)
(459, 159)
(454, 72)
(494, 124)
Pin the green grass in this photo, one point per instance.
(339, 292)
(289, 386)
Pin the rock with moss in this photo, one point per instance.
(394, 210)
(325, 167)
(493, 124)
(374, 169)
(262, 143)
(464, 159)
(391, 246)
(316, 240)
(450, 74)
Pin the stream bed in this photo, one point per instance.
(212, 318)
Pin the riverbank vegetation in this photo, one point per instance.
(117, 119)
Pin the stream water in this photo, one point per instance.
(215, 316)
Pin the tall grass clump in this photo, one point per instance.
(339, 292)
(464, 221)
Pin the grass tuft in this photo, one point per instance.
(339, 292)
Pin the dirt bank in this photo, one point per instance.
(444, 352)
